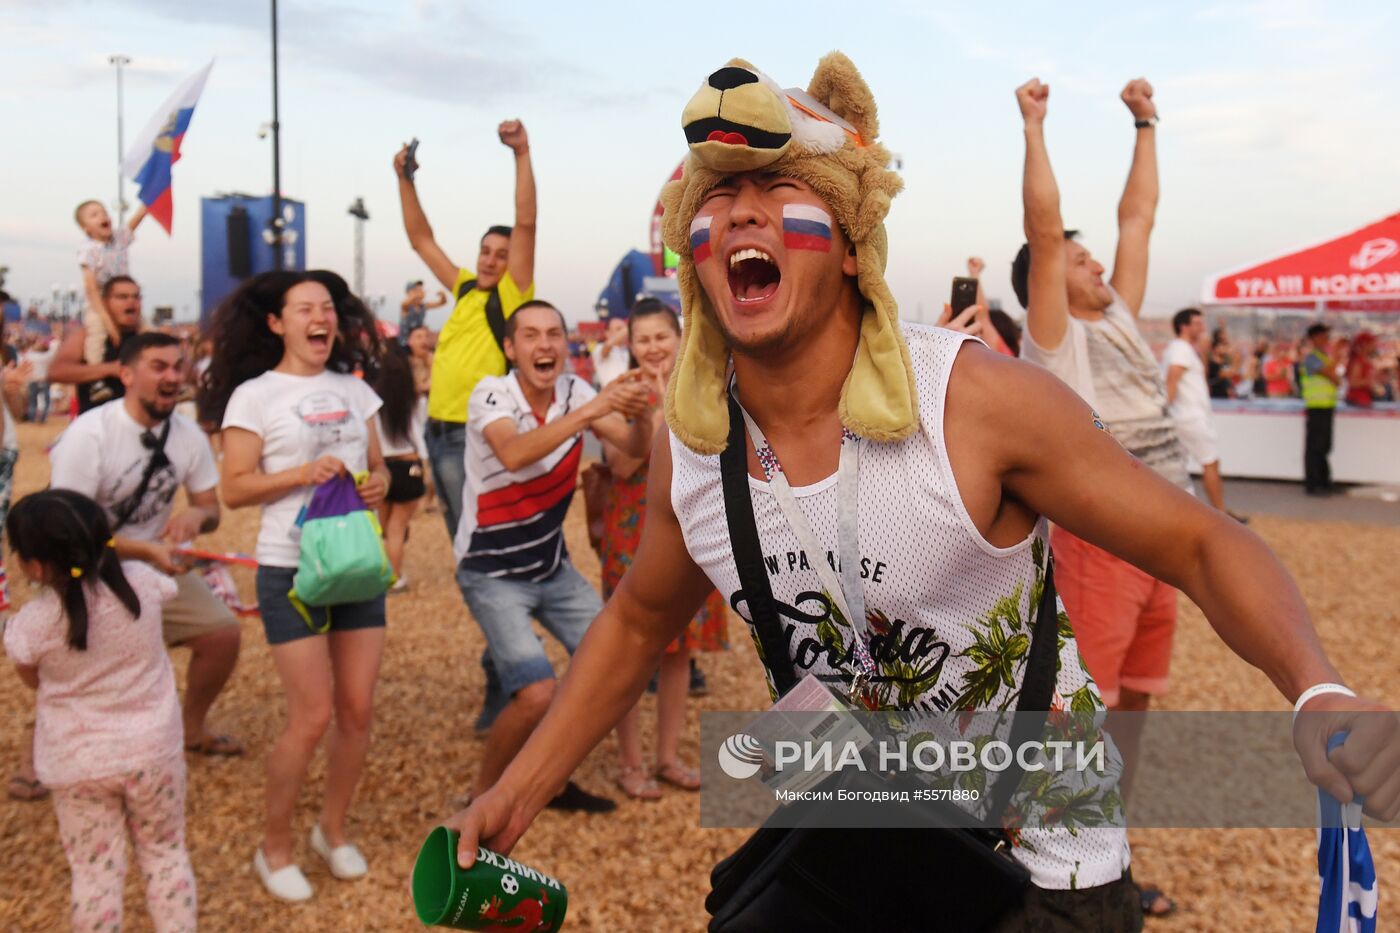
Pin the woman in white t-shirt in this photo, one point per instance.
(293, 417)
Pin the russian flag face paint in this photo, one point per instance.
(700, 238)
(806, 226)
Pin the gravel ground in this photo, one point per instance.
(646, 866)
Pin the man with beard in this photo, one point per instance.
(946, 458)
(130, 456)
(97, 383)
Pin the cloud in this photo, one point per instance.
(426, 49)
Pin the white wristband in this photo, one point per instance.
(1318, 690)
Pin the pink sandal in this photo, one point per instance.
(678, 775)
(637, 784)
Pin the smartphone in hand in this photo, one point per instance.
(410, 164)
(964, 294)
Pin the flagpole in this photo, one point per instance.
(119, 61)
(276, 223)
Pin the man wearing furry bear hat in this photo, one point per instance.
(947, 458)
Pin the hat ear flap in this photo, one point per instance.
(879, 399)
(697, 409)
(838, 85)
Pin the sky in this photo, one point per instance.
(1278, 125)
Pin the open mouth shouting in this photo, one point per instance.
(753, 276)
(545, 367)
(319, 337)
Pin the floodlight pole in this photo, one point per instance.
(120, 61)
(276, 223)
(357, 211)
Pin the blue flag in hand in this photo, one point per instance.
(1349, 894)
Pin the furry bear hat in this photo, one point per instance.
(741, 120)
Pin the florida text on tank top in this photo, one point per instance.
(948, 612)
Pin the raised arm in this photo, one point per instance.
(522, 237)
(137, 216)
(652, 605)
(1137, 210)
(1034, 433)
(1047, 318)
(420, 234)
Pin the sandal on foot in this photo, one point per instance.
(678, 775)
(26, 789)
(637, 784)
(216, 746)
(1150, 897)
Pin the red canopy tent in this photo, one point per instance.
(1359, 271)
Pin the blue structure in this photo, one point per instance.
(235, 233)
(635, 277)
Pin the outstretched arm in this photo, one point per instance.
(653, 603)
(522, 237)
(1137, 210)
(1047, 318)
(1051, 457)
(420, 234)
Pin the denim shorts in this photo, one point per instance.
(565, 604)
(283, 623)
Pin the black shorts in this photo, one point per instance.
(405, 480)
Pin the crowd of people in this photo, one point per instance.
(1270, 368)
(795, 368)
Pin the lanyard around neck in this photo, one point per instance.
(847, 593)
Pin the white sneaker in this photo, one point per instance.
(400, 585)
(345, 862)
(286, 883)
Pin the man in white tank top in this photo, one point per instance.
(962, 455)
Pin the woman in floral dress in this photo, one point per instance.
(654, 338)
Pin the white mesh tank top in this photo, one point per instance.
(942, 603)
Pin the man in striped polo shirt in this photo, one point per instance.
(524, 443)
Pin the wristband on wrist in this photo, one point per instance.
(1318, 690)
(1145, 124)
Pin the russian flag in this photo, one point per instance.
(700, 238)
(157, 148)
(806, 226)
(1349, 896)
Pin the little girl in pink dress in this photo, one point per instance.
(108, 737)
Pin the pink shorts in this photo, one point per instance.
(1123, 619)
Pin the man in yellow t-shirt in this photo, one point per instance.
(470, 344)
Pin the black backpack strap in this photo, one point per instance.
(748, 555)
(496, 319)
(133, 501)
(495, 314)
(1037, 685)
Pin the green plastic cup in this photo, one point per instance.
(497, 893)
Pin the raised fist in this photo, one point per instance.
(1138, 96)
(401, 159)
(512, 133)
(1032, 98)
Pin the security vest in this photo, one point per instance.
(1318, 391)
